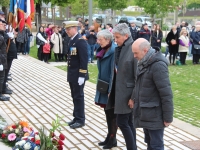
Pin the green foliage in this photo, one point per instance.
(112, 4)
(156, 7)
(79, 7)
(193, 5)
(5, 3)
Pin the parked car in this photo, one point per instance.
(129, 19)
(144, 20)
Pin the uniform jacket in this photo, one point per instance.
(146, 34)
(124, 80)
(105, 67)
(134, 33)
(170, 36)
(153, 95)
(66, 39)
(156, 37)
(58, 46)
(3, 54)
(77, 59)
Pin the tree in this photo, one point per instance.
(4, 4)
(79, 7)
(112, 4)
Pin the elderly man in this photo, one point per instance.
(77, 72)
(3, 59)
(123, 84)
(134, 30)
(153, 104)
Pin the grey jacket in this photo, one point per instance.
(123, 80)
(153, 95)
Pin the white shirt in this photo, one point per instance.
(41, 38)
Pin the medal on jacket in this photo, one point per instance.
(73, 51)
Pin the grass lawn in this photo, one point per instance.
(185, 82)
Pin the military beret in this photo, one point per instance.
(68, 24)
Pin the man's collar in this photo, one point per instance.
(74, 36)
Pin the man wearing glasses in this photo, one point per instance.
(3, 58)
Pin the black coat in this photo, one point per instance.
(152, 94)
(171, 36)
(134, 33)
(12, 51)
(77, 59)
(66, 40)
(3, 54)
(155, 37)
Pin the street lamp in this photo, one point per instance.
(90, 12)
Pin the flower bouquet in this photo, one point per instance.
(13, 133)
(41, 140)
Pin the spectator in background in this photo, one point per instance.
(173, 42)
(184, 43)
(102, 26)
(40, 41)
(56, 39)
(156, 37)
(109, 26)
(22, 38)
(86, 24)
(66, 40)
(196, 42)
(46, 51)
(49, 32)
(134, 30)
(178, 28)
(27, 44)
(144, 32)
(92, 38)
(2, 15)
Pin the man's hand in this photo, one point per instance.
(81, 80)
(158, 40)
(166, 124)
(131, 103)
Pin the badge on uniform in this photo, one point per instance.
(73, 50)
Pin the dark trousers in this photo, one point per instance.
(2, 74)
(46, 57)
(183, 57)
(20, 47)
(174, 57)
(125, 123)
(27, 46)
(40, 53)
(111, 122)
(154, 139)
(78, 101)
(196, 58)
(58, 57)
(9, 63)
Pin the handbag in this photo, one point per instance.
(173, 42)
(102, 86)
(196, 46)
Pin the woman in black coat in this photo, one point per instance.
(172, 40)
(156, 37)
(66, 40)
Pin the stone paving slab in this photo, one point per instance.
(40, 91)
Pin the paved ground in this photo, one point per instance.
(41, 92)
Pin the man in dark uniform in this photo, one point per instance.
(77, 72)
(3, 58)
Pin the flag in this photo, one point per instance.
(15, 21)
(29, 10)
(20, 14)
(11, 12)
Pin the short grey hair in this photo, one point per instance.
(122, 28)
(105, 34)
(144, 45)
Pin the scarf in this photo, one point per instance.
(101, 53)
(145, 59)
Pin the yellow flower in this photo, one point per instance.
(23, 123)
(26, 134)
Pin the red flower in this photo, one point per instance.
(14, 126)
(33, 139)
(60, 147)
(60, 142)
(36, 133)
(62, 137)
(3, 135)
(37, 142)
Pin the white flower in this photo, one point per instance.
(10, 128)
(17, 149)
(36, 148)
(4, 131)
(21, 143)
(37, 137)
(16, 131)
(27, 146)
(17, 143)
(19, 127)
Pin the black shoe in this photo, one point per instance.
(104, 142)
(71, 122)
(7, 91)
(4, 98)
(9, 79)
(111, 143)
(77, 125)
